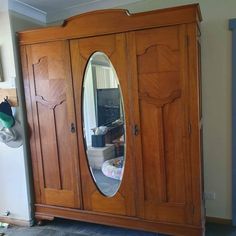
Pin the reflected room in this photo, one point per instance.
(103, 124)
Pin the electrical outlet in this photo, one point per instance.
(210, 195)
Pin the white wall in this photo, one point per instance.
(13, 195)
(14, 189)
(6, 51)
(3, 5)
(216, 83)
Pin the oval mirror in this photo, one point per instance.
(103, 123)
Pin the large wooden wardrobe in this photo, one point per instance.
(156, 56)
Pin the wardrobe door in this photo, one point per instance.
(158, 60)
(95, 197)
(50, 109)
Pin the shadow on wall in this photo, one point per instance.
(1, 70)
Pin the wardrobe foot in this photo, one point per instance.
(43, 219)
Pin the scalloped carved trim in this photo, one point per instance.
(51, 104)
(41, 60)
(146, 50)
(159, 102)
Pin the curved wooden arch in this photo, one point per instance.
(103, 22)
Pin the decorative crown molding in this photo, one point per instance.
(27, 10)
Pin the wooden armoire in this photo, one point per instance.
(156, 56)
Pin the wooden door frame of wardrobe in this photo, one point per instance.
(114, 21)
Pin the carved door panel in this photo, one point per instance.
(114, 47)
(52, 121)
(160, 95)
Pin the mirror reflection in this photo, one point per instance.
(103, 123)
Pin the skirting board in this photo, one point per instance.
(28, 223)
(12, 221)
(216, 220)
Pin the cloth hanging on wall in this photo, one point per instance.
(10, 129)
(6, 118)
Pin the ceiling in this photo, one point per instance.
(55, 5)
(48, 11)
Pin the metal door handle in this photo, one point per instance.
(135, 130)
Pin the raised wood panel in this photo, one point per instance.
(51, 104)
(166, 60)
(165, 87)
(55, 58)
(114, 46)
(160, 57)
(162, 153)
(158, 78)
(53, 112)
(154, 168)
(66, 164)
(86, 50)
(161, 212)
(56, 197)
(166, 38)
(56, 87)
(174, 125)
(48, 147)
(117, 204)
